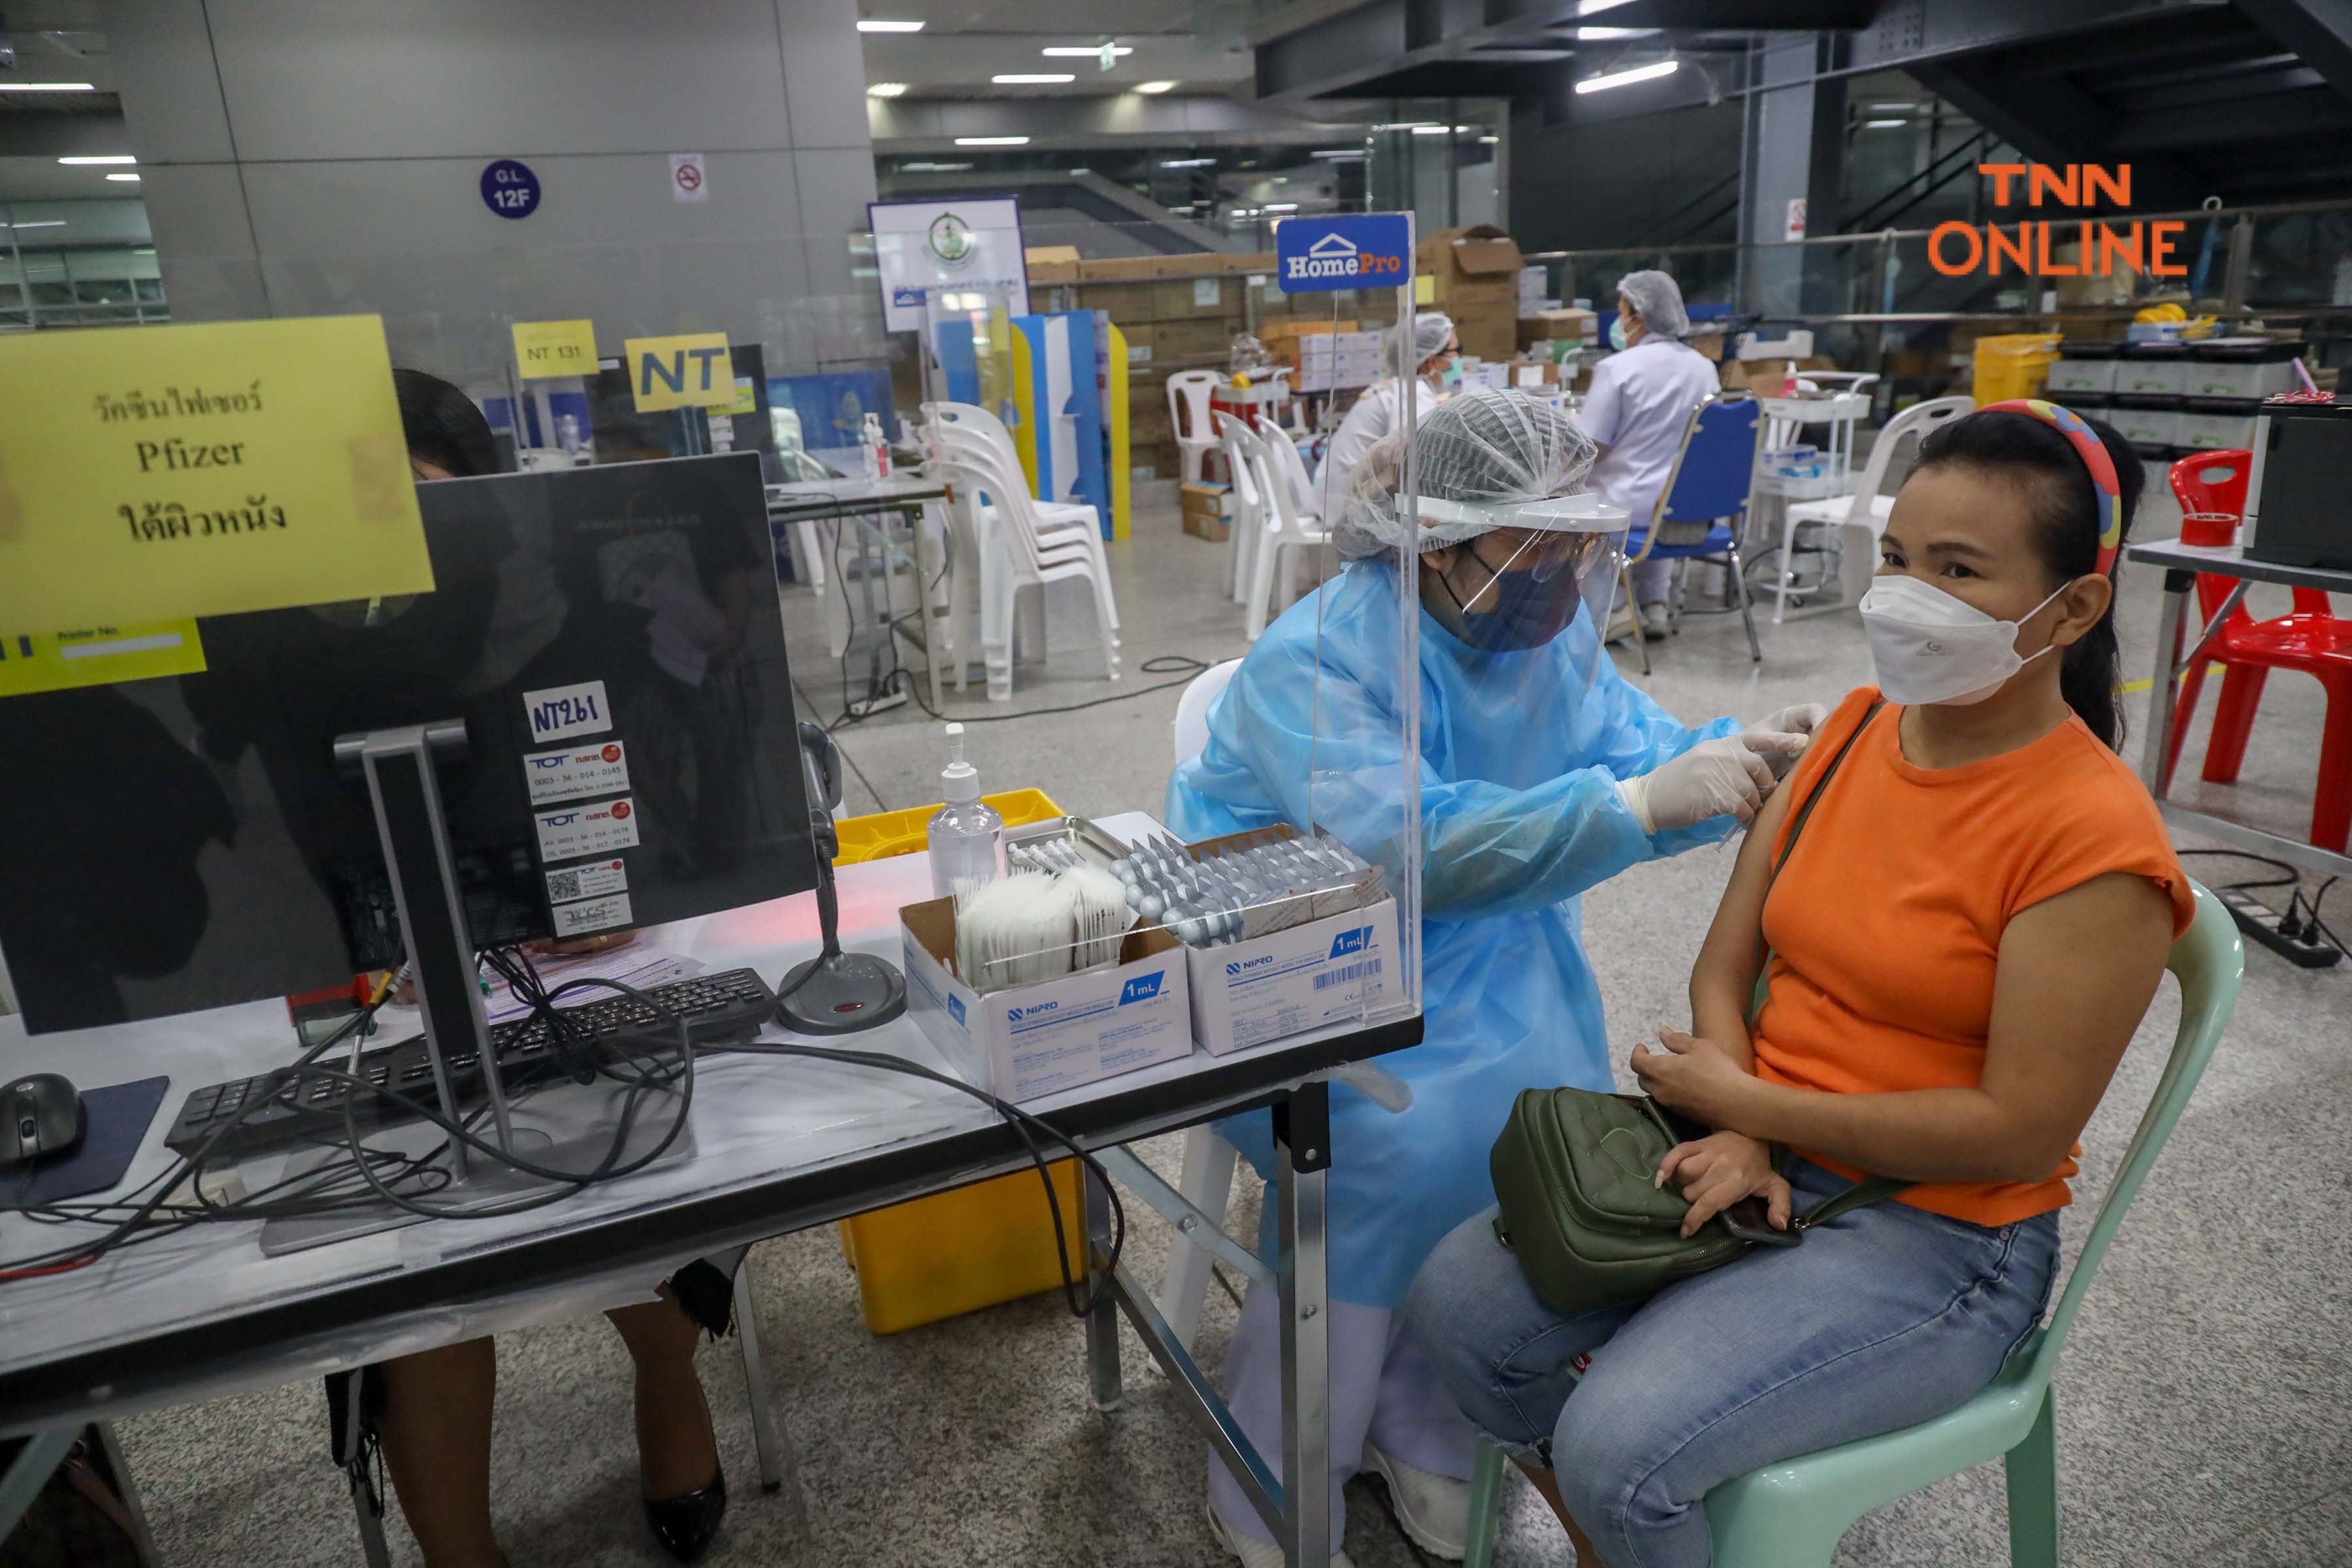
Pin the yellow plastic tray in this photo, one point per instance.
(955, 1252)
(888, 833)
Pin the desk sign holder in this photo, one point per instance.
(563, 1131)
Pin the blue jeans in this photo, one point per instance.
(1883, 1317)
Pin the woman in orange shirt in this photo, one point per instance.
(1960, 946)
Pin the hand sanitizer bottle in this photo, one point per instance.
(967, 838)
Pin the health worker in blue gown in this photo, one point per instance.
(1542, 772)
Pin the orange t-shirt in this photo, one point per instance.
(1885, 924)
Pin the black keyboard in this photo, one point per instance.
(276, 1110)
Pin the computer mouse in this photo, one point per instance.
(40, 1117)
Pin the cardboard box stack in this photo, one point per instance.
(1533, 282)
(1554, 336)
(1207, 509)
(1474, 273)
(1177, 312)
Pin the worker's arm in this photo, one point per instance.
(2076, 974)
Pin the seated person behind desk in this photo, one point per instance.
(1960, 948)
(432, 1410)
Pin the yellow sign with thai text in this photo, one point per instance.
(555, 348)
(151, 473)
(689, 372)
(98, 655)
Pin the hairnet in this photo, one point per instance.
(1487, 446)
(1659, 299)
(1431, 331)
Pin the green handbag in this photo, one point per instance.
(1575, 1177)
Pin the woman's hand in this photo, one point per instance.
(1695, 1076)
(1717, 1171)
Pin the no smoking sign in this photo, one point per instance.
(690, 181)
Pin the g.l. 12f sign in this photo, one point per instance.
(1357, 250)
(509, 188)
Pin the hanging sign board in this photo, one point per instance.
(1352, 250)
(153, 473)
(923, 248)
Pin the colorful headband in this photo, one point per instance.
(2094, 453)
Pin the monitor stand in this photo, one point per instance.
(569, 1128)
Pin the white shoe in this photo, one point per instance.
(1435, 1509)
(1655, 622)
(1255, 1552)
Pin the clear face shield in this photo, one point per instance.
(1538, 579)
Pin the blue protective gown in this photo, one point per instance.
(1519, 814)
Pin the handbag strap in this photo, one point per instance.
(1870, 1189)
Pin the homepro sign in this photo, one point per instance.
(1359, 250)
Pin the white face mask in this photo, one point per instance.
(1929, 646)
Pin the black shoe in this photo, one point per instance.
(687, 1525)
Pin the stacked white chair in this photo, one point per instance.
(1250, 505)
(1863, 513)
(1188, 409)
(972, 436)
(1012, 554)
(1284, 527)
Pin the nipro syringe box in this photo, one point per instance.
(1287, 982)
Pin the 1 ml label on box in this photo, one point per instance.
(602, 829)
(570, 772)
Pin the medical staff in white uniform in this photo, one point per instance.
(1641, 401)
(1377, 411)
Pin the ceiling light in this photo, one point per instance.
(43, 223)
(1429, 131)
(1603, 35)
(1153, 85)
(1884, 124)
(47, 87)
(886, 90)
(1404, 124)
(1488, 141)
(1086, 51)
(1032, 78)
(1281, 206)
(107, 158)
(1187, 162)
(992, 140)
(121, 176)
(1338, 152)
(1892, 108)
(869, 25)
(930, 168)
(1626, 77)
(1082, 171)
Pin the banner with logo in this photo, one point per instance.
(952, 247)
(1353, 250)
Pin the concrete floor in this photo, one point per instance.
(2203, 1391)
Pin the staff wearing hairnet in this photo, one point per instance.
(1640, 402)
(1542, 772)
(1380, 410)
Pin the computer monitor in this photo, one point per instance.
(622, 433)
(609, 638)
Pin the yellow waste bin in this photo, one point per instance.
(2013, 364)
(957, 1251)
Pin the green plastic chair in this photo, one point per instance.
(1791, 1514)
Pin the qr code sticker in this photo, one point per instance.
(562, 886)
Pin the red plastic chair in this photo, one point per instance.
(2211, 490)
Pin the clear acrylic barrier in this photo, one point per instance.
(752, 1117)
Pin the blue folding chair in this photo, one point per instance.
(1699, 513)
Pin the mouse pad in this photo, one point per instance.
(117, 1120)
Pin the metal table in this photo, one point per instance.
(2182, 565)
(778, 1145)
(805, 503)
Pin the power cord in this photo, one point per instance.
(1023, 1122)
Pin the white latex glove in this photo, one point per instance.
(1796, 723)
(1728, 776)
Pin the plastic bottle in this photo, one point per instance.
(881, 446)
(872, 456)
(967, 836)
